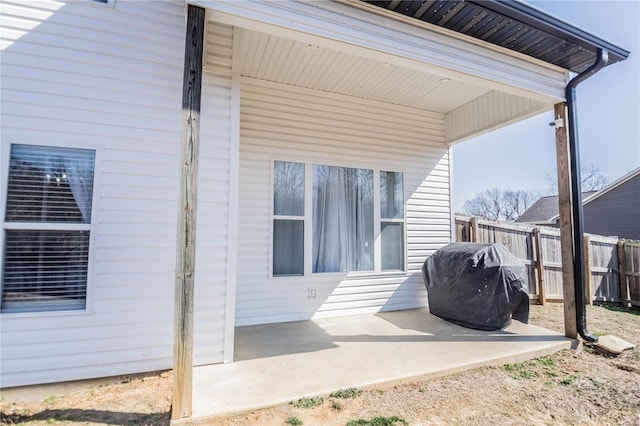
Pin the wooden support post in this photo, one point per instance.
(473, 230)
(566, 219)
(186, 238)
(622, 271)
(587, 270)
(542, 299)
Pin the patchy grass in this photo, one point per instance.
(634, 310)
(308, 402)
(294, 421)
(379, 421)
(546, 361)
(50, 400)
(569, 380)
(529, 369)
(520, 371)
(348, 393)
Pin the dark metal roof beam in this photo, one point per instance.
(547, 23)
(511, 24)
(423, 9)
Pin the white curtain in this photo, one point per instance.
(79, 171)
(38, 184)
(342, 219)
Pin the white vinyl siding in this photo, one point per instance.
(213, 240)
(81, 75)
(280, 122)
(488, 112)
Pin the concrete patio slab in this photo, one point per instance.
(278, 363)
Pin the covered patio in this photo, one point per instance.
(278, 363)
(346, 85)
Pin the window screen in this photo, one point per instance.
(47, 228)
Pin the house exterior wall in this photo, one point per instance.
(616, 213)
(109, 77)
(280, 122)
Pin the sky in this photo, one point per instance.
(523, 156)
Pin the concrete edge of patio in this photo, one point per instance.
(511, 359)
(361, 334)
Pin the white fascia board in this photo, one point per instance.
(342, 27)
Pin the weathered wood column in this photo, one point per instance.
(566, 219)
(186, 238)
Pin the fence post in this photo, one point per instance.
(542, 299)
(459, 231)
(587, 269)
(622, 268)
(474, 230)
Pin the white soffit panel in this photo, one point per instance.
(277, 59)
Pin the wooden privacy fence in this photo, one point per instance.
(612, 266)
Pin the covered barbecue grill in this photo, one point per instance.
(477, 285)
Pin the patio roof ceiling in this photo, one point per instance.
(513, 25)
(272, 58)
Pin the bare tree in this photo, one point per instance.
(516, 203)
(499, 204)
(592, 179)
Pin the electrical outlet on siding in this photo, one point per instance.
(311, 293)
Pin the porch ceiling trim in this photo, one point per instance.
(342, 27)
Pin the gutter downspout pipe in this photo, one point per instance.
(576, 195)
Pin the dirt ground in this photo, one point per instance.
(586, 388)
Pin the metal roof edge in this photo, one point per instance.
(545, 22)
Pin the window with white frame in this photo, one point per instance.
(47, 224)
(392, 220)
(288, 220)
(341, 214)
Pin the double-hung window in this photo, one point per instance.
(392, 220)
(288, 220)
(342, 226)
(47, 224)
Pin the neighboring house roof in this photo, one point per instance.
(591, 196)
(513, 25)
(545, 210)
(612, 186)
(540, 211)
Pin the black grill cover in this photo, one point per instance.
(477, 285)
